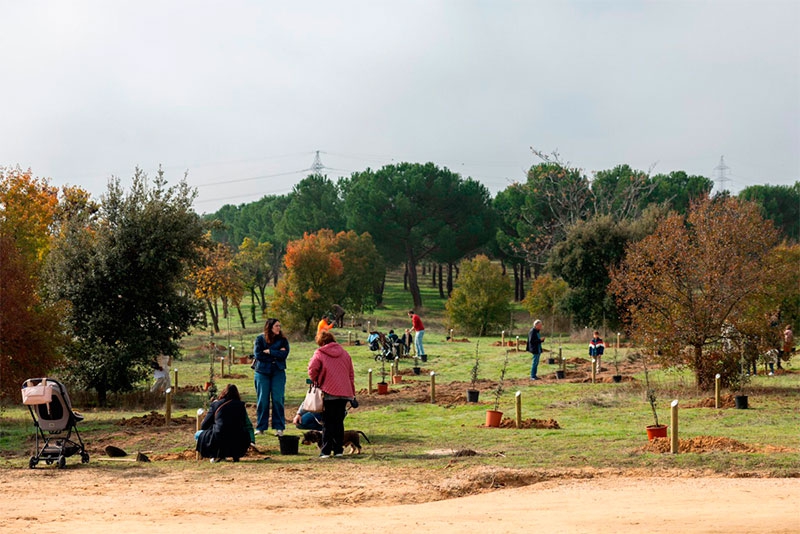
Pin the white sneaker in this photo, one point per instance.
(259, 432)
(279, 433)
(772, 374)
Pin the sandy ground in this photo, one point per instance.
(347, 497)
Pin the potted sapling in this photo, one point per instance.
(494, 417)
(383, 385)
(655, 430)
(417, 369)
(472, 392)
(616, 377)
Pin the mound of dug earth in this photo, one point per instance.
(156, 419)
(699, 444)
(508, 422)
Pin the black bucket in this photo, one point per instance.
(616, 378)
(551, 361)
(289, 444)
(559, 374)
(423, 357)
(741, 402)
(472, 395)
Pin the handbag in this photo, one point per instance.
(41, 393)
(313, 401)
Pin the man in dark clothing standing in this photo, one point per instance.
(534, 346)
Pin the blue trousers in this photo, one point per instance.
(418, 343)
(535, 365)
(270, 388)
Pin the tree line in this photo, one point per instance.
(97, 288)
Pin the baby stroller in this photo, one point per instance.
(48, 402)
(380, 344)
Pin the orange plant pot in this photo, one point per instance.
(383, 388)
(654, 432)
(493, 418)
(396, 379)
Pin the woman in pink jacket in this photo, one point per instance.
(332, 370)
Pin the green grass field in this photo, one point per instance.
(602, 425)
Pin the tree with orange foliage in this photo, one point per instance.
(216, 278)
(680, 286)
(324, 269)
(30, 340)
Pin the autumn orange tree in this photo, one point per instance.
(680, 285)
(29, 334)
(216, 279)
(324, 269)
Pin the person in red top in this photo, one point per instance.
(331, 368)
(419, 328)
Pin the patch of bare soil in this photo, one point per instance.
(725, 401)
(507, 422)
(704, 444)
(156, 419)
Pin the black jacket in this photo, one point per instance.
(534, 345)
(227, 431)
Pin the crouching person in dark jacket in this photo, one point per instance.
(226, 430)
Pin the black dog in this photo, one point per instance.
(351, 439)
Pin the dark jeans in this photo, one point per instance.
(535, 365)
(333, 420)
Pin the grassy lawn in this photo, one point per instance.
(602, 425)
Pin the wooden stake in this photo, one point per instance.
(369, 381)
(433, 387)
(168, 408)
(176, 378)
(197, 429)
(674, 427)
(517, 343)
(518, 399)
(716, 391)
(594, 369)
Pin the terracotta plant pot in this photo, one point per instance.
(493, 418)
(396, 379)
(654, 432)
(207, 386)
(244, 359)
(472, 395)
(383, 388)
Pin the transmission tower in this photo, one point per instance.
(720, 175)
(317, 166)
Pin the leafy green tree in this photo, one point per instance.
(363, 269)
(259, 220)
(412, 210)
(681, 285)
(547, 296)
(253, 262)
(583, 260)
(515, 226)
(480, 301)
(621, 192)
(122, 273)
(313, 204)
(677, 190)
(780, 204)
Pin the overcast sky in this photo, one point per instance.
(242, 94)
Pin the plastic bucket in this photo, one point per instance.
(472, 395)
(289, 444)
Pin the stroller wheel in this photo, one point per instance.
(32, 462)
(84, 457)
(62, 462)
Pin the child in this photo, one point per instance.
(596, 348)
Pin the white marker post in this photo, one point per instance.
(503, 338)
(518, 404)
(433, 387)
(369, 381)
(716, 391)
(176, 378)
(674, 427)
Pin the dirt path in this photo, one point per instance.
(143, 498)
